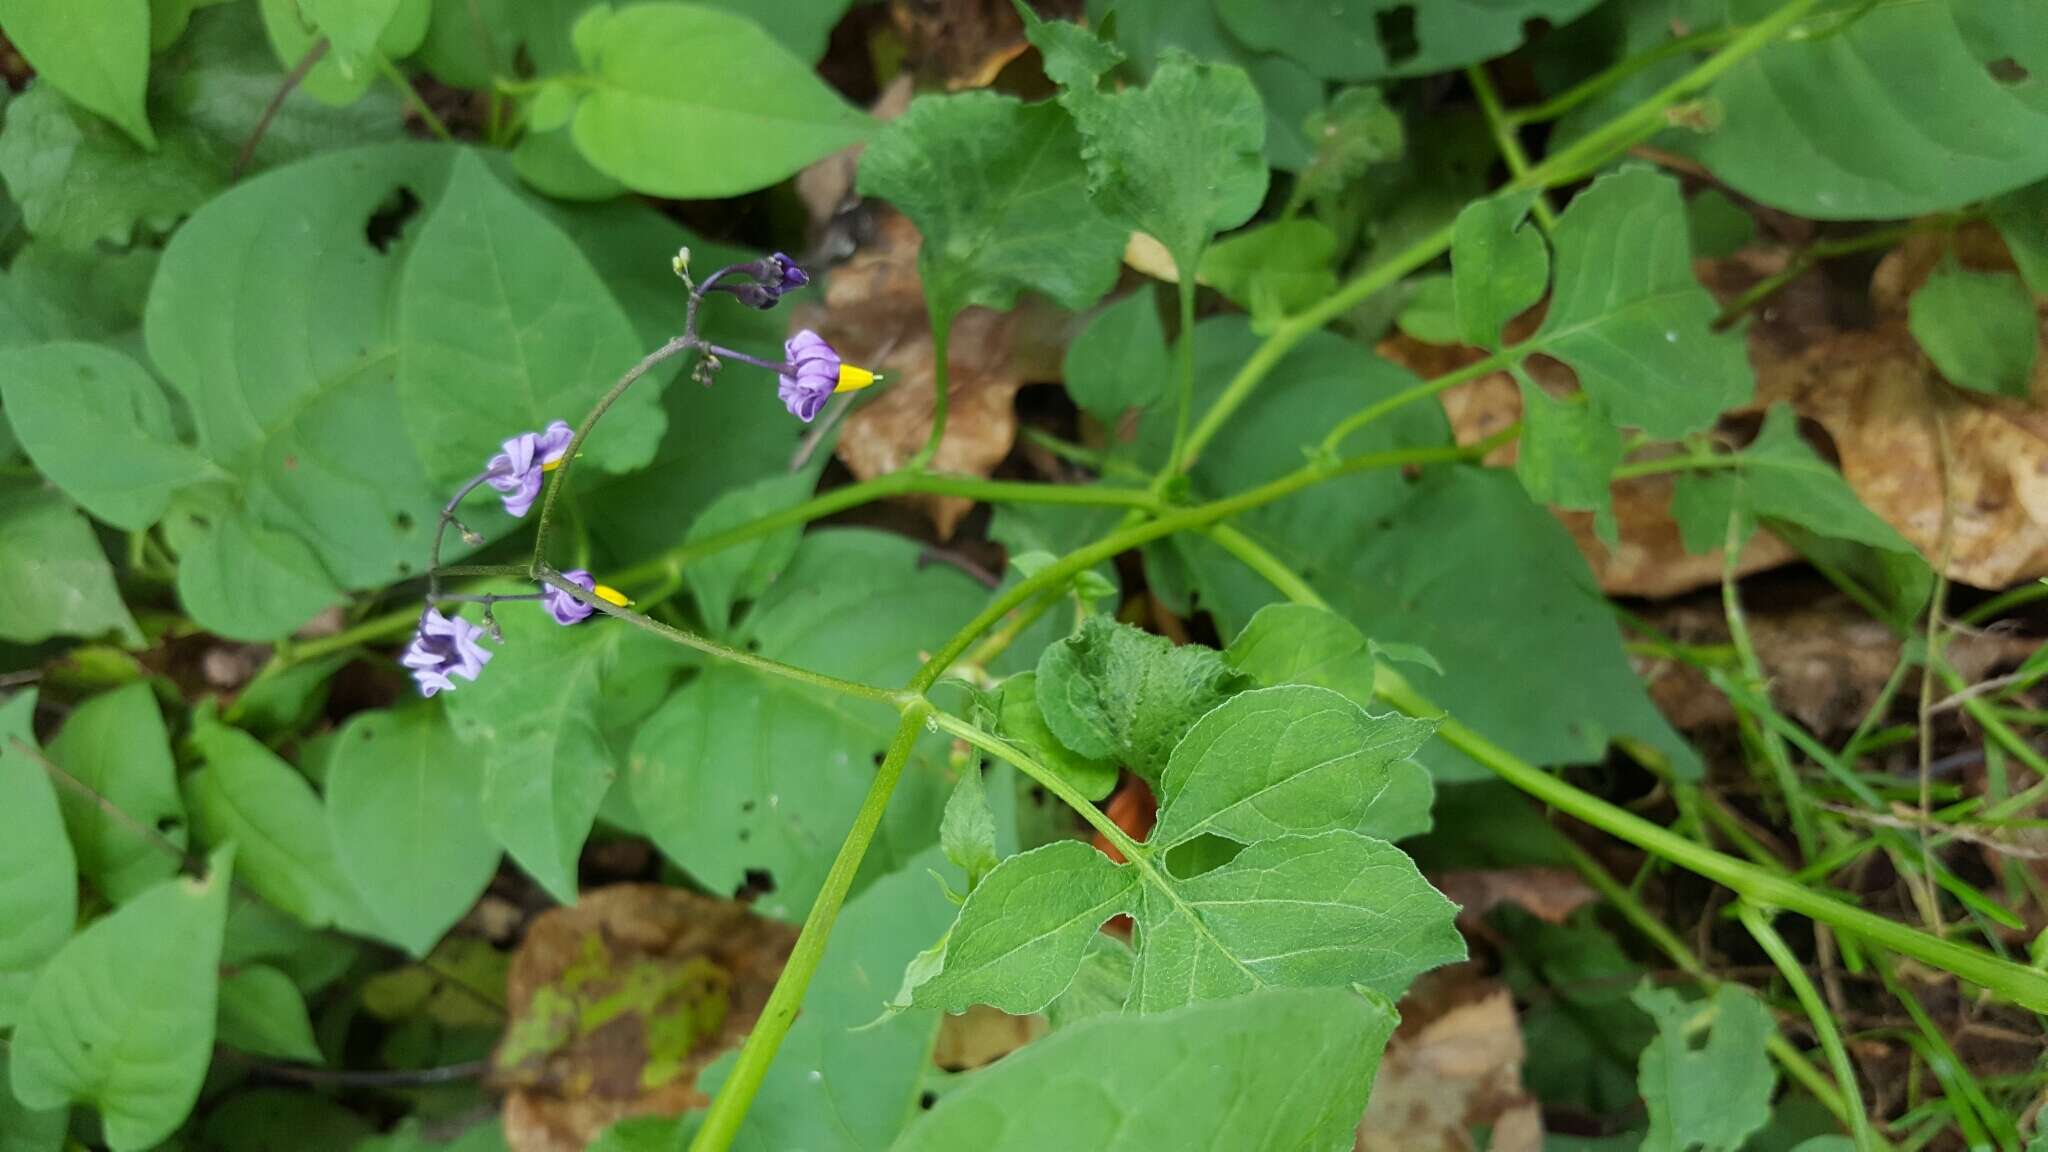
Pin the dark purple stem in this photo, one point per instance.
(779, 369)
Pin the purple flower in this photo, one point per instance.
(567, 609)
(444, 647)
(789, 277)
(816, 375)
(768, 279)
(517, 470)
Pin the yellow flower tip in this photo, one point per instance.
(610, 595)
(852, 379)
(551, 465)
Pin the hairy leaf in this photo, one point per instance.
(1112, 691)
(98, 427)
(967, 831)
(691, 101)
(38, 894)
(116, 745)
(1275, 1072)
(122, 1018)
(498, 313)
(262, 1013)
(1627, 315)
(997, 189)
(1020, 721)
(1024, 929)
(1712, 1096)
(408, 830)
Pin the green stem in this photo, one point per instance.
(1504, 139)
(1823, 1021)
(942, 332)
(1046, 778)
(1364, 416)
(1587, 89)
(398, 79)
(1687, 462)
(2006, 601)
(1184, 410)
(2024, 986)
(728, 1109)
(1813, 254)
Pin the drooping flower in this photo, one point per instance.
(444, 647)
(769, 278)
(790, 277)
(567, 609)
(817, 374)
(517, 470)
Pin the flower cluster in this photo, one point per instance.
(448, 647)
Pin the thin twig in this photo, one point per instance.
(284, 91)
(397, 1078)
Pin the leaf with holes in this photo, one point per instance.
(997, 189)
(122, 1018)
(1288, 773)
(502, 327)
(739, 771)
(116, 746)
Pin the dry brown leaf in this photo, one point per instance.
(1549, 894)
(1454, 1065)
(563, 1095)
(874, 315)
(826, 187)
(982, 1035)
(963, 43)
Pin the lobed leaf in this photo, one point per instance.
(1114, 692)
(1707, 1096)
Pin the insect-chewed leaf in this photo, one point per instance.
(1112, 691)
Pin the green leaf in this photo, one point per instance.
(80, 181)
(1275, 1072)
(1627, 315)
(1575, 980)
(116, 745)
(247, 797)
(1274, 270)
(1351, 133)
(1369, 39)
(1904, 109)
(1019, 721)
(1567, 455)
(1179, 158)
(283, 701)
(53, 293)
(1711, 1096)
(842, 1079)
(408, 832)
(94, 51)
(997, 189)
(485, 1136)
(1459, 562)
(2022, 220)
(1075, 57)
(1024, 929)
(741, 771)
(1101, 984)
(1720, 227)
(122, 1018)
(1780, 477)
(1112, 691)
(38, 895)
(1303, 644)
(1499, 266)
(369, 28)
(1979, 329)
(536, 723)
(1119, 360)
(1290, 772)
(241, 580)
(54, 579)
(967, 831)
(1430, 313)
(745, 571)
(293, 389)
(1295, 760)
(499, 313)
(262, 1013)
(266, 1119)
(689, 101)
(98, 427)
(25, 1129)
(550, 163)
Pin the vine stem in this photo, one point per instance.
(728, 1109)
(942, 330)
(1823, 1021)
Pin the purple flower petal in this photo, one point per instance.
(816, 375)
(516, 471)
(444, 647)
(566, 609)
